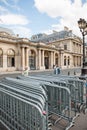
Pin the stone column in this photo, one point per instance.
(5, 61)
(23, 59)
(18, 58)
(43, 66)
(54, 58)
(42, 57)
(26, 57)
(18, 62)
(61, 59)
(52, 62)
(39, 59)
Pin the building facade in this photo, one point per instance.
(17, 53)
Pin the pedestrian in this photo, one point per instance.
(25, 72)
(57, 70)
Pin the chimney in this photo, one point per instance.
(66, 28)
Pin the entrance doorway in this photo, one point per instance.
(46, 62)
(32, 60)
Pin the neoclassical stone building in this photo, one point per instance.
(71, 51)
(16, 53)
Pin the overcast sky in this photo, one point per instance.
(29, 17)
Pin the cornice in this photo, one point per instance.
(77, 39)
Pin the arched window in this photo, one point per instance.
(64, 60)
(1, 58)
(10, 58)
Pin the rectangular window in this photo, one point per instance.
(65, 47)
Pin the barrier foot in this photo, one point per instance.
(71, 125)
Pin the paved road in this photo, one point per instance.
(80, 122)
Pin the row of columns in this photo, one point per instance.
(40, 64)
(22, 58)
(77, 60)
(41, 59)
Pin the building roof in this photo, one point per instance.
(52, 37)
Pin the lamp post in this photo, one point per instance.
(83, 28)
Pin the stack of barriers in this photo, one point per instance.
(65, 105)
(23, 106)
(32, 101)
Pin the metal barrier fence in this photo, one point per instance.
(75, 86)
(59, 97)
(53, 100)
(78, 84)
(74, 83)
(27, 102)
(23, 108)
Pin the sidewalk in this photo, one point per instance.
(63, 71)
(30, 71)
(80, 122)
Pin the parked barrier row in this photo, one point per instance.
(53, 101)
(59, 96)
(23, 108)
(75, 86)
(39, 96)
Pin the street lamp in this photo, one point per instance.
(83, 28)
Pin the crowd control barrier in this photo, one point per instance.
(23, 107)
